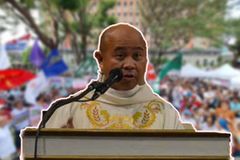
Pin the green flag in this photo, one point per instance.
(88, 66)
(174, 64)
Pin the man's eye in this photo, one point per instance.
(137, 55)
(119, 56)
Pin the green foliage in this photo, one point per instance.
(60, 18)
(159, 60)
(91, 17)
(233, 27)
(174, 23)
(72, 5)
(28, 3)
(103, 19)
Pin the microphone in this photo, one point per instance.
(115, 75)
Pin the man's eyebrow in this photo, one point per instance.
(124, 48)
(120, 48)
(138, 48)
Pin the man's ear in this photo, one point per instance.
(99, 57)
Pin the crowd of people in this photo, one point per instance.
(208, 107)
(16, 114)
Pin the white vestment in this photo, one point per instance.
(138, 108)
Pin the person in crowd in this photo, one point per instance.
(7, 147)
(225, 116)
(177, 96)
(35, 110)
(20, 114)
(129, 103)
(209, 124)
(235, 105)
(188, 117)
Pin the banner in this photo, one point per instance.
(35, 87)
(18, 45)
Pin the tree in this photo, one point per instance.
(60, 18)
(172, 24)
(86, 16)
(21, 9)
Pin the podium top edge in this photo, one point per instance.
(122, 133)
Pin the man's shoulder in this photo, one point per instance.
(161, 100)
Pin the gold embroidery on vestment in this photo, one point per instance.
(142, 118)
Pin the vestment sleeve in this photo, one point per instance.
(60, 117)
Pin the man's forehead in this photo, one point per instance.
(128, 47)
(122, 35)
(125, 44)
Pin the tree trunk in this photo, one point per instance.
(76, 50)
(84, 46)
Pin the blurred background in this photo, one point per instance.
(46, 52)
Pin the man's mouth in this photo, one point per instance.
(128, 76)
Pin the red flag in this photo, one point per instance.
(11, 78)
(151, 75)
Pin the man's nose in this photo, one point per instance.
(129, 63)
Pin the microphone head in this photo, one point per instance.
(116, 74)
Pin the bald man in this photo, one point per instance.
(129, 103)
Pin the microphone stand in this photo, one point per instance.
(59, 103)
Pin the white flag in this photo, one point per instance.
(35, 87)
(4, 59)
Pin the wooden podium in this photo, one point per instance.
(126, 144)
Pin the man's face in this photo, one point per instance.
(125, 49)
